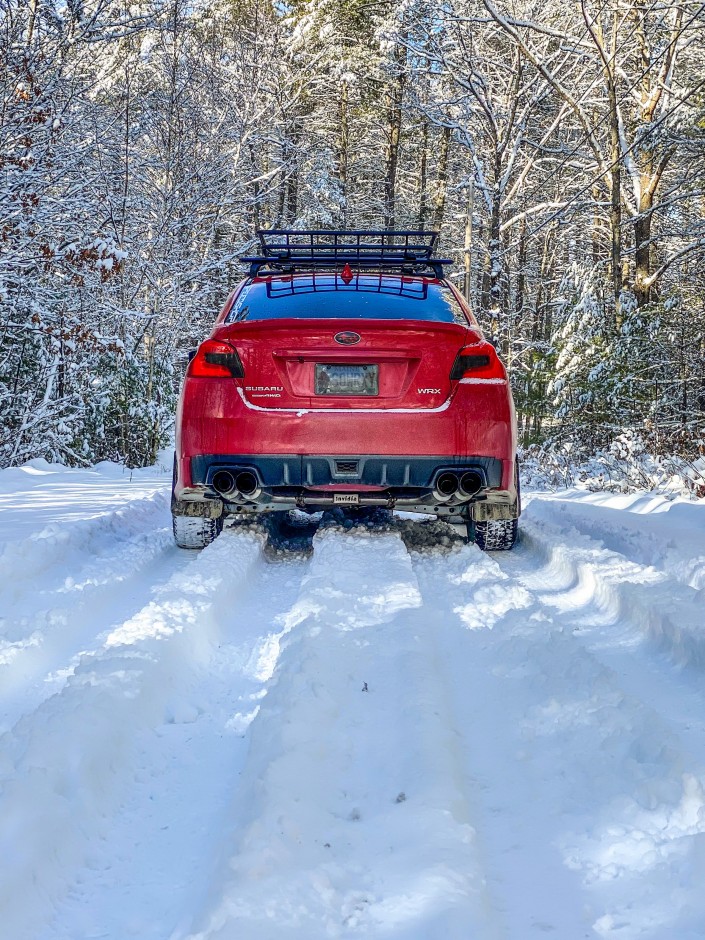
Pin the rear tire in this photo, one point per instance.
(496, 535)
(196, 531)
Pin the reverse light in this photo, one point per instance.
(216, 360)
(479, 361)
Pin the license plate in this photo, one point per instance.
(346, 380)
(346, 499)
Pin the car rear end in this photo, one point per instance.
(341, 387)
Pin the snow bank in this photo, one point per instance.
(649, 529)
(32, 558)
(64, 766)
(41, 494)
(667, 613)
(587, 759)
(624, 467)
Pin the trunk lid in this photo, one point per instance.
(298, 363)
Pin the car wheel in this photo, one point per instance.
(496, 535)
(195, 531)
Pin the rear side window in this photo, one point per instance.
(327, 296)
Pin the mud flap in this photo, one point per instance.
(486, 511)
(204, 509)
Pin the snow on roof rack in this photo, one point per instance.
(291, 250)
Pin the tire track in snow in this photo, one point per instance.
(668, 536)
(650, 606)
(64, 766)
(49, 630)
(59, 550)
(153, 867)
(349, 819)
(497, 778)
(479, 632)
(596, 801)
(59, 581)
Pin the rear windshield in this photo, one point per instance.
(366, 297)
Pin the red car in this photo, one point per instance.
(346, 371)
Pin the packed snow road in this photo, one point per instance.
(393, 735)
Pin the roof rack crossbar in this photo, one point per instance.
(292, 249)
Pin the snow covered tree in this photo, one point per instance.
(560, 150)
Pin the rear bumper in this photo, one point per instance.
(319, 481)
(397, 453)
(348, 471)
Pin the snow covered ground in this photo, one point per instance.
(378, 738)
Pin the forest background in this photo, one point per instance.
(558, 147)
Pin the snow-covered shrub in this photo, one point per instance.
(624, 466)
(73, 396)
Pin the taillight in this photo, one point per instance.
(215, 360)
(479, 361)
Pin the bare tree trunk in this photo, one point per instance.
(394, 110)
(651, 171)
(439, 202)
(281, 201)
(484, 275)
(495, 251)
(521, 274)
(292, 176)
(292, 196)
(33, 7)
(596, 228)
(423, 176)
(615, 176)
(343, 145)
(423, 161)
(615, 198)
(266, 204)
(613, 171)
(468, 240)
(127, 166)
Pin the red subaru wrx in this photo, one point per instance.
(346, 371)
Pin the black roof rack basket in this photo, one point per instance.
(289, 250)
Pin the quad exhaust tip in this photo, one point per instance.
(470, 483)
(224, 482)
(466, 485)
(243, 483)
(246, 483)
(446, 486)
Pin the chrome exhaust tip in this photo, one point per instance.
(470, 483)
(230, 485)
(446, 486)
(247, 485)
(224, 482)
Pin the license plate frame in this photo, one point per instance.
(346, 499)
(354, 380)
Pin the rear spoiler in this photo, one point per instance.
(289, 250)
